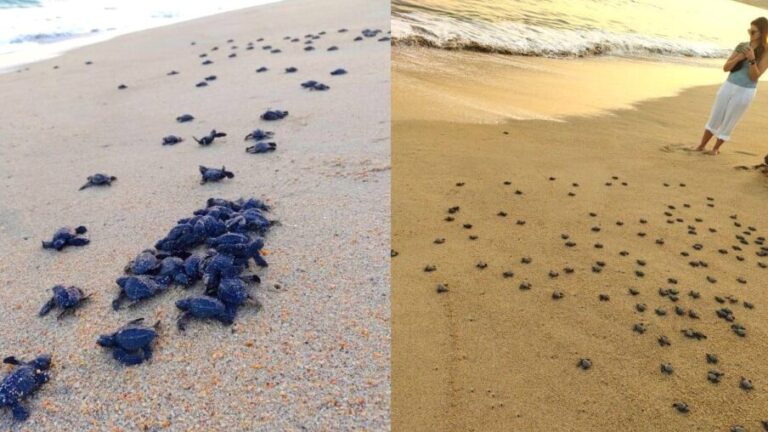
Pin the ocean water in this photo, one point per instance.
(31, 30)
(576, 28)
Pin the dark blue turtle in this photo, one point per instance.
(249, 220)
(219, 265)
(207, 62)
(146, 262)
(333, 48)
(173, 72)
(137, 288)
(261, 147)
(208, 139)
(234, 292)
(132, 343)
(259, 135)
(290, 69)
(65, 298)
(201, 84)
(266, 47)
(370, 33)
(185, 118)
(309, 48)
(262, 69)
(204, 307)
(122, 87)
(172, 271)
(180, 238)
(314, 85)
(214, 174)
(271, 115)
(276, 51)
(338, 71)
(67, 236)
(172, 139)
(99, 180)
(210, 78)
(239, 245)
(358, 39)
(25, 378)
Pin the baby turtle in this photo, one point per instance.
(481, 265)
(185, 118)
(208, 139)
(526, 260)
(261, 69)
(739, 330)
(681, 407)
(290, 69)
(639, 328)
(261, 147)
(667, 368)
(525, 286)
(693, 334)
(65, 298)
(584, 363)
(172, 139)
(136, 288)
(557, 295)
(714, 376)
(746, 384)
(132, 343)
(712, 358)
(98, 180)
(259, 135)
(204, 307)
(214, 174)
(67, 236)
(439, 241)
(604, 297)
(338, 72)
(272, 115)
(122, 87)
(442, 288)
(664, 341)
(24, 380)
(640, 307)
(508, 274)
(633, 291)
(430, 268)
(314, 85)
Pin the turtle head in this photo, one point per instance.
(81, 229)
(121, 281)
(112, 178)
(42, 362)
(184, 304)
(58, 289)
(227, 174)
(106, 340)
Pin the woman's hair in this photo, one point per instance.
(762, 26)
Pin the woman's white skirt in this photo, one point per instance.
(731, 103)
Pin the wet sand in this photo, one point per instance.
(490, 355)
(316, 357)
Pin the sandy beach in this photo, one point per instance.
(612, 176)
(316, 356)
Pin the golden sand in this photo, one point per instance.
(488, 356)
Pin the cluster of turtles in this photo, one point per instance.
(227, 232)
(670, 303)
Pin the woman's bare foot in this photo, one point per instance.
(712, 152)
(696, 148)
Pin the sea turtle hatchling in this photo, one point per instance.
(204, 307)
(210, 138)
(98, 180)
(259, 135)
(185, 118)
(24, 380)
(172, 139)
(132, 343)
(214, 174)
(261, 147)
(271, 115)
(136, 288)
(67, 236)
(65, 298)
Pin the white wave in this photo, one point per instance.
(517, 38)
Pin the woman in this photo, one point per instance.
(746, 64)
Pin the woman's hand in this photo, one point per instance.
(749, 53)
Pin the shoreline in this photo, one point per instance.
(18, 61)
(463, 358)
(486, 88)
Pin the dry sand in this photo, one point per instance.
(488, 356)
(316, 357)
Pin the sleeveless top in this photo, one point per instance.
(741, 77)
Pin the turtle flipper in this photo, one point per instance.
(19, 412)
(87, 185)
(181, 322)
(65, 312)
(12, 361)
(118, 301)
(50, 304)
